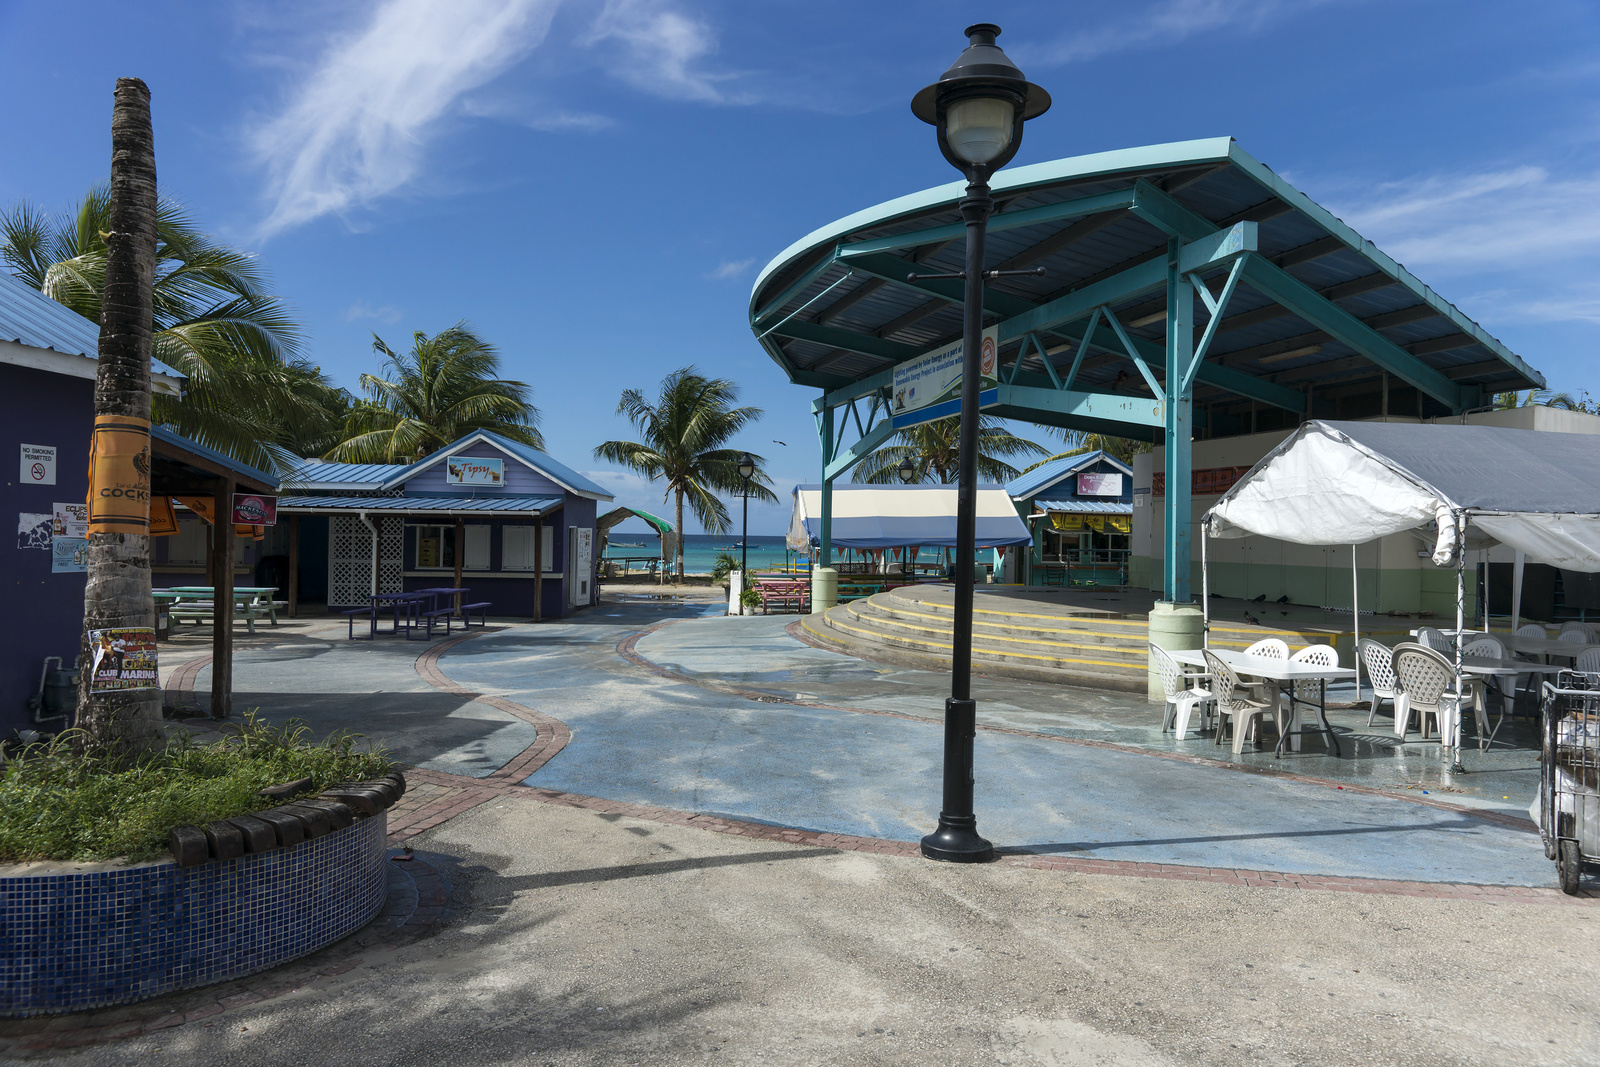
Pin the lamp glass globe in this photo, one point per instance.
(979, 128)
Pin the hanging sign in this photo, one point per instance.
(119, 475)
(1092, 483)
(929, 386)
(470, 470)
(253, 509)
(38, 465)
(163, 519)
(203, 506)
(124, 660)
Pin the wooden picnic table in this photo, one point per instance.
(196, 602)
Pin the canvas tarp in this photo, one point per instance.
(888, 516)
(1343, 483)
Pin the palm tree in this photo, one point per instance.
(934, 448)
(117, 590)
(684, 434)
(1081, 442)
(446, 387)
(1537, 398)
(249, 394)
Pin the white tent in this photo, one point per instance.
(1333, 483)
(888, 516)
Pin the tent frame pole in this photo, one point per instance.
(1355, 619)
(1205, 584)
(1461, 609)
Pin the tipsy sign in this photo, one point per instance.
(252, 509)
(470, 470)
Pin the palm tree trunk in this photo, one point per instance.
(680, 537)
(117, 591)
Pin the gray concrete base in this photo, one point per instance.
(824, 589)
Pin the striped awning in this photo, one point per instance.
(422, 505)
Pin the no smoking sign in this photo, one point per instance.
(38, 465)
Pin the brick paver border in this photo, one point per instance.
(403, 922)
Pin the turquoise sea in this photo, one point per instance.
(700, 551)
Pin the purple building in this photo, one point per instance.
(520, 525)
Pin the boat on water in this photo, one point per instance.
(627, 544)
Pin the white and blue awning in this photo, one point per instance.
(1085, 507)
(889, 516)
(506, 506)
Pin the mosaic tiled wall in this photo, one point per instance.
(69, 942)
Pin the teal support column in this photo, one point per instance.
(1179, 429)
(825, 432)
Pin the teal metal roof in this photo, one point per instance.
(1032, 483)
(551, 468)
(321, 474)
(1085, 507)
(28, 317)
(432, 505)
(1317, 307)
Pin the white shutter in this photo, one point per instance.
(547, 548)
(516, 548)
(477, 556)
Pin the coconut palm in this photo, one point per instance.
(685, 432)
(1082, 443)
(248, 393)
(117, 590)
(446, 387)
(1537, 398)
(934, 449)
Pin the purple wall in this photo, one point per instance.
(520, 480)
(44, 611)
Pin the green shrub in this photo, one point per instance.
(57, 803)
(723, 566)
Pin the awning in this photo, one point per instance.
(669, 536)
(505, 506)
(888, 516)
(1085, 507)
(1341, 483)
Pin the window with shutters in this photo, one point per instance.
(516, 548)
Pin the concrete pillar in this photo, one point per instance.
(824, 589)
(1173, 627)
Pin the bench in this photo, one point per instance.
(482, 608)
(372, 621)
(440, 613)
(197, 610)
(784, 594)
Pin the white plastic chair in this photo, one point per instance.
(1379, 661)
(1581, 627)
(1184, 694)
(1307, 692)
(1423, 678)
(1235, 701)
(1485, 645)
(1269, 647)
(1533, 629)
(1588, 661)
(1575, 637)
(1429, 637)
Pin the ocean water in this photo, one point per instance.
(700, 551)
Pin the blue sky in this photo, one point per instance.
(594, 184)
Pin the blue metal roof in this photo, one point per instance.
(557, 472)
(1085, 507)
(177, 440)
(319, 474)
(511, 505)
(30, 318)
(1031, 483)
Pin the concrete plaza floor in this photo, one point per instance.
(601, 935)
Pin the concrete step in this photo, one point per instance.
(1085, 635)
(1012, 637)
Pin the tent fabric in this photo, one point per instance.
(669, 536)
(1333, 483)
(888, 516)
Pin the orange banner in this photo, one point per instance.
(254, 532)
(119, 475)
(163, 521)
(203, 506)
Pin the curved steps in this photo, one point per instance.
(1086, 650)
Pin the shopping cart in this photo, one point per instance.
(1569, 788)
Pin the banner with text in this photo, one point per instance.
(929, 387)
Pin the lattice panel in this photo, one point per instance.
(349, 561)
(391, 553)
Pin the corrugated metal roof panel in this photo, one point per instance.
(324, 474)
(177, 440)
(1029, 483)
(30, 318)
(516, 505)
(1085, 507)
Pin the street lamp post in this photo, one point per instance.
(978, 107)
(907, 471)
(747, 470)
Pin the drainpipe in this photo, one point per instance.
(368, 524)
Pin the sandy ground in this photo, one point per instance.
(583, 938)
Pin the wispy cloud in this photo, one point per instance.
(625, 485)
(1164, 23)
(386, 314)
(1525, 234)
(731, 268)
(355, 129)
(656, 47)
(535, 114)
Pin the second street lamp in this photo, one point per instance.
(978, 107)
(907, 471)
(747, 470)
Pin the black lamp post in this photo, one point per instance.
(907, 471)
(747, 470)
(978, 107)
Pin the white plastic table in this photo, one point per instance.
(1279, 672)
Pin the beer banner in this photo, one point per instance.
(163, 520)
(254, 532)
(119, 475)
(1065, 522)
(203, 506)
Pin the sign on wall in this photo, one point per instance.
(929, 387)
(69, 538)
(38, 465)
(253, 509)
(1099, 483)
(470, 470)
(33, 530)
(124, 660)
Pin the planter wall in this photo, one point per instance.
(81, 940)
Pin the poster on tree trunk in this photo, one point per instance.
(119, 475)
(124, 660)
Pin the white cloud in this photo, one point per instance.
(535, 115)
(387, 313)
(355, 129)
(1525, 235)
(658, 48)
(629, 487)
(1164, 23)
(731, 268)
